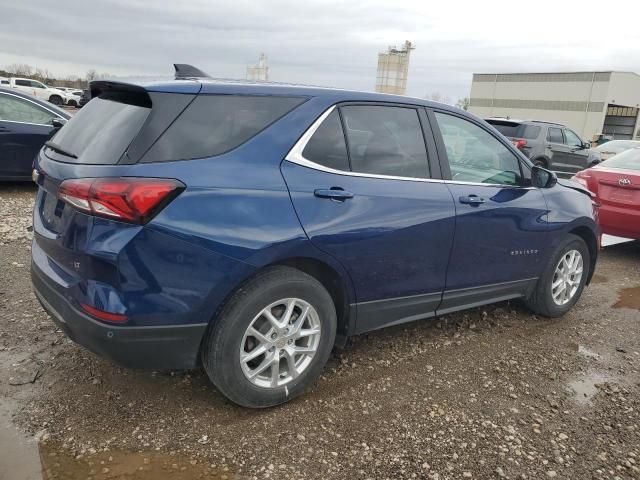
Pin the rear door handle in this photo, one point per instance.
(471, 200)
(334, 193)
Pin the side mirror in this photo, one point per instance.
(58, 123)
(543, 178)
(586, 145)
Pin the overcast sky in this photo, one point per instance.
(332, 43)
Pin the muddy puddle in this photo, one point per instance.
(628, 298)
(18, 454)
(60, 464)
(586, 387)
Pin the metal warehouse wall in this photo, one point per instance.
(577, 99)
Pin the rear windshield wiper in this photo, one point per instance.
(57, 148)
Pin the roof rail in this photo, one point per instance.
(549, 123)
(184, 70)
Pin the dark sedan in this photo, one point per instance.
(25, 124)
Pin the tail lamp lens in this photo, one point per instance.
(519, 143)
(133, 199)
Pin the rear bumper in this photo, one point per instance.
(622, 222)
(153, 347)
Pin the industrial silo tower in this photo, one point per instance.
(260, 71)
(393, 69)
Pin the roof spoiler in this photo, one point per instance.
(184, 70)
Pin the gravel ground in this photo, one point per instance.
(494, 392)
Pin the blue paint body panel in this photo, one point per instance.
(21, 141)
(244, 210)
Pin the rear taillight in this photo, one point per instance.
(582, 179)
(129, 199)
(519, 143)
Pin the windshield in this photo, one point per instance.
(627, 160)
(617, 146)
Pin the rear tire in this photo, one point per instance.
(55, 99)
(245, 327)
(540, 162)
(548, 299)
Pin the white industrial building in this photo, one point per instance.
(591, 103)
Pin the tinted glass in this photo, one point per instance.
(15, 109)
(100, 132)
(23, 83)
(327, 145)
(572, 138)
(627, 160)
(555, 135)
(215, 124)
(385, 141)
(516, 130)
(475, 155)
(530, 132)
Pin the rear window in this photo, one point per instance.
(101, 131)
(516, 130)
(627, 160)
(215, 124)
(617, 146)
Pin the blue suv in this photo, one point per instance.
(251, 227)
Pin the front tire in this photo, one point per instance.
(272, 338)
(563, 280)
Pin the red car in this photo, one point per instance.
(616, 184)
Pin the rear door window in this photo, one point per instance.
(385, 140)
(101, 131)
(215, 124)
(555, 135)
(327, 146)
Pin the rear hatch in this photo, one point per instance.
(104, 139)
(521, 134)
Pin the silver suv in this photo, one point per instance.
(549, 145)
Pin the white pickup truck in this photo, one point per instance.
(38, 89)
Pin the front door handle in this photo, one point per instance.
(334, 193)
(471, 200)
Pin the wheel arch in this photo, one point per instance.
(335, 284)
(590, 239)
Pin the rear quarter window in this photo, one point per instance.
(215, 124)
(528, 132)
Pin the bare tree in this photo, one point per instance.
(91, 75)
(20, 69)
(463, 103)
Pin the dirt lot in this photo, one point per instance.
(490, 393)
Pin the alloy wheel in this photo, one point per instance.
(280, 343)
(567, 277)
